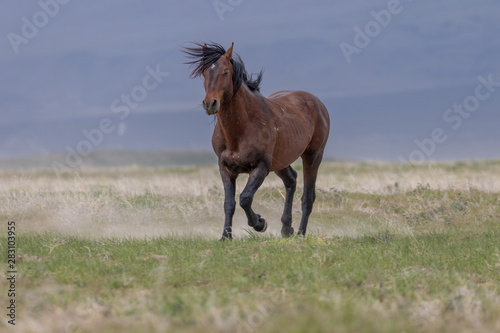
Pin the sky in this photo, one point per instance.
(403, 80)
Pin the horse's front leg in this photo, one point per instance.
(257, 176)
(229, 181)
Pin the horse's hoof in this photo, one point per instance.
(261, 225)
(265, 226)
(225, 238)
(286, 231)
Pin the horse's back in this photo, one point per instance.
(301, 99)
(280, 94)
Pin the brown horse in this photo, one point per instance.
(257, 135)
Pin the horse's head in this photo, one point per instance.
(223, 74)
(218, 82)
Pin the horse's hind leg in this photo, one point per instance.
(311, 162)
(289, 177)
(256, 179)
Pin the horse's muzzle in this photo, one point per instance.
(211, 106)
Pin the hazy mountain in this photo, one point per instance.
(74, 69)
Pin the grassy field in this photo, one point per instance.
(390, 248)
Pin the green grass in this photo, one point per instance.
(389, 249)
(266, 284)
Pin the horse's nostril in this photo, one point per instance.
(210, 104)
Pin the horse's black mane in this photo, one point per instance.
(205, 55)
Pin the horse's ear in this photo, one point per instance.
(229, 52)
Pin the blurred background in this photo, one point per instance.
(402, 80)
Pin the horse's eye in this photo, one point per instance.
(227, 72)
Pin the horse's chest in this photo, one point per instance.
(239, 161)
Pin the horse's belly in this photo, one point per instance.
(289, 146)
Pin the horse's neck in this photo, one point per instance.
(236, 116)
